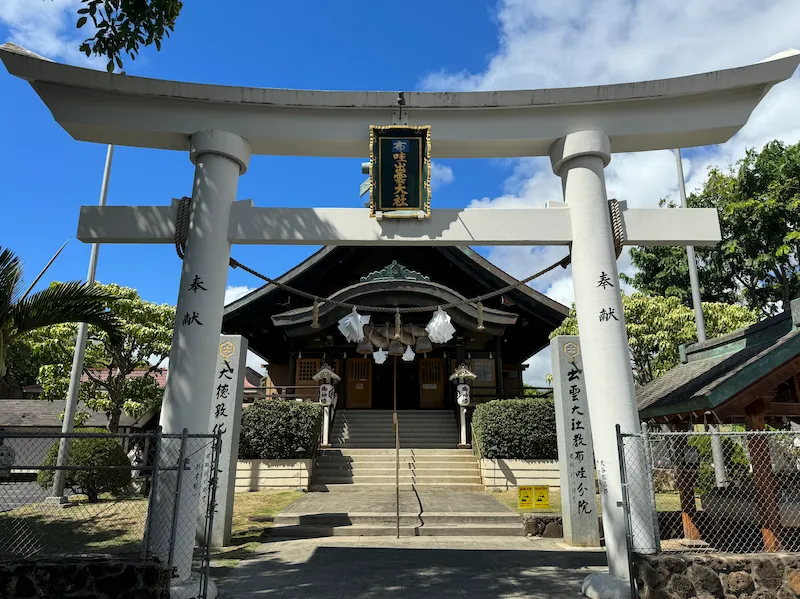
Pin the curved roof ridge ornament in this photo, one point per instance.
(395, 272)
(462, 373)
(694, 110)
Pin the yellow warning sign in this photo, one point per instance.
(524, 498)
(541, 496)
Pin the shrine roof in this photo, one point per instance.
(694, 110)
(332, 269)
(716, 371)
(42, 413)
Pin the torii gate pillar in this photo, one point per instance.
(580, 159)
(219, 158)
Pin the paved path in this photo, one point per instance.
(417, 567)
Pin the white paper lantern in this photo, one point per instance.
(326, 394)
(462, 395)
(440, 329)
(380, 356)
(408, 355)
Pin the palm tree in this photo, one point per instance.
(60, 303)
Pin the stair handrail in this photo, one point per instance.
(396, 423)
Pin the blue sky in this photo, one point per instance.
(314, 44)
(48, 175)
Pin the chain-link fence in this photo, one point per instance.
(733, 492)
(122, 496)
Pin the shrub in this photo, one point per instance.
(522, 429)
(88, 452)
(736, 462)
(274, 429)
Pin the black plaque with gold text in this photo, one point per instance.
(400, 171)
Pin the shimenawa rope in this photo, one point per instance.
(182, 228)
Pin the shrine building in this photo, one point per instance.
(493, 340)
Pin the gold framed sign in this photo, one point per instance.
(400, 171)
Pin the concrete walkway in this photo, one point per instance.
(418, 567)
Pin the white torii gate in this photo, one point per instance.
(576, 127)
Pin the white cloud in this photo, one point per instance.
(544, 44)
(47, 27)
(235, 292)
(538, 368)
(440, 175)
(585, 42)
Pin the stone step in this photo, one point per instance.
(376, 530)
(354, 530)
(390, 478)
(391, 470)
(390, 465)
(380, 519)
(429, 461)
(374, 435)
(345, 487)
(446, 453)
(447, 518)
(382, 445)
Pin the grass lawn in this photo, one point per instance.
(509, 499)
(108, 526)
(665, 501)
(254, 510)
(252, 515)
(117, 525)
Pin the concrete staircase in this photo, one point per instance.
(364, 469)
(419, 429)
(438, 512)
(500, 524)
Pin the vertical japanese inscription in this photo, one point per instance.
(400, 170)
(225, 419)
(400, 155)
(579, 507)
(193, 317)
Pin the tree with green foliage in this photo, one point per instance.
(529, 391)
(88, 452)
(656, 326)
(124, 26)
(121, 372)
(757, 264)
(22, 313)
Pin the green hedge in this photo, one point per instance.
(737, 465)
(523, 429)
(275, 429)
(87, 452)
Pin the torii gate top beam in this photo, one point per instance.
(680, 112)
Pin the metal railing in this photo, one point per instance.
(116, 503)
(733, 492)
(301, 392)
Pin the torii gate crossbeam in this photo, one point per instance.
(577, 128)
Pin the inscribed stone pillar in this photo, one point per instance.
(580, 159)
(575, 453)
(226, 418)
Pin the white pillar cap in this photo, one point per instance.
(580, 143)
(230, 145)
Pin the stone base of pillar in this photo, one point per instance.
(191, 587)
(322, 446)
(604, 586)
(464, 446)
(59, 500)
